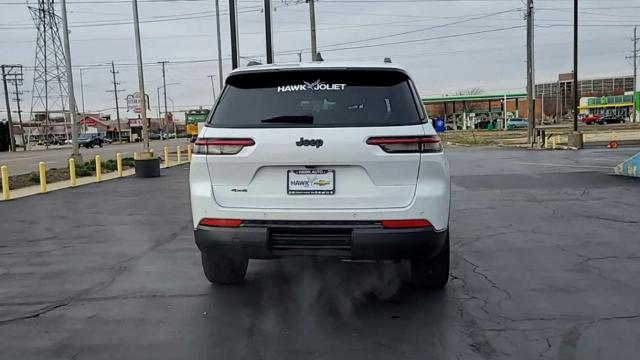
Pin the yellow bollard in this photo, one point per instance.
(72, 171)
(5, 182)
(613, 136)
(98, 168)
(43, 177)
(179, 154)
(135, 155)
(166, 156)
(189, 152)
(119, 164)
(554, 142)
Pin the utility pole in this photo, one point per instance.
(267, 31)
(164, 92)
(312, 21)
(219, 44)
(213, 88)
(72, 98)
(159, 103)
(17, 93)
(530, 78)
(635, 73)
(143, 95)
(115, 94)
(12, 141)
(235, 42)
(82, 92)
(576, 100)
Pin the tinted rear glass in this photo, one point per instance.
(319, 98)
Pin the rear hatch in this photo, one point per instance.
(299, 140)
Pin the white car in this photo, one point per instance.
(320, 159)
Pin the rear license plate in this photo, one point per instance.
(311, 182)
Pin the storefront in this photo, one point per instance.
(620, 105)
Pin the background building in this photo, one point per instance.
(557, 97)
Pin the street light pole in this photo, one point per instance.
(312, 22)
(164, 92)
(233, 24)
(219, 44)
(213, 88)
(531, 108)
(72, 99)
(143, 97)
(268, 33)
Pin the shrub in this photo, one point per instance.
(35, 177)
(128, 162)
(82, 171)
(110, 165)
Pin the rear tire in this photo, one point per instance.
(432, 273)
(224, 270)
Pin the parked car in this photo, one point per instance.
(517, 123)
(591, 119)
(336, 160)
(90, 140)
(611, 119)
(154, 136)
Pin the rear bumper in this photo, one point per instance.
(370, 242)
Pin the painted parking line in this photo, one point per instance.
(20, 159)
(567, 165)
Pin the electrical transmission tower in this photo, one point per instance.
(49, 94)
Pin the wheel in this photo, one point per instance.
(100, 144)
(224, 270)
(432, 273)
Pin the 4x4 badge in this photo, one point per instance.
(309, 142)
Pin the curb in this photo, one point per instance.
(66, 184)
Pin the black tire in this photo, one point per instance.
(224, 270)
(432, 273)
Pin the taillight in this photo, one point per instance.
(405, 224)
(230, 223)
(209, 146)
(408, 144)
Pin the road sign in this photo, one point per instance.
(134, 102)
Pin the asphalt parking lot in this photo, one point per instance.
(545, 264)
(23, 162)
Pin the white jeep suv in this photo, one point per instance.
(320, 159)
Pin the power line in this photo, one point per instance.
(289, 52)
(422, 29)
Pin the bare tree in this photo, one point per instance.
(469, 91)
(470, 106)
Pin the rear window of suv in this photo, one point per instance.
(318, 98)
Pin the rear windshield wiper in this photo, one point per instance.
(289, 119)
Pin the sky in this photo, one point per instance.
(446, 45)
